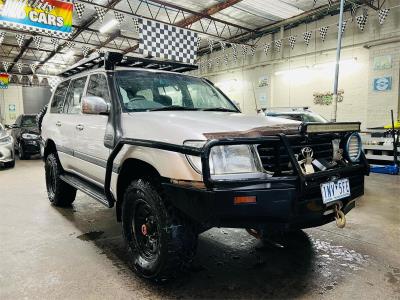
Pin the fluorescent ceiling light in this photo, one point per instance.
(106, 27)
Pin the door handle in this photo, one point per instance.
(79, 127)
(58, 124)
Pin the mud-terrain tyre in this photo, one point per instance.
(161, 243)
(59, 192)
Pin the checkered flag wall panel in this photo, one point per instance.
(307, 37)
(79, 8)
(168, 42)
(382, 15)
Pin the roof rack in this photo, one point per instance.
(110, 60)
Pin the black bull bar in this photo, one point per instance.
(204, 154)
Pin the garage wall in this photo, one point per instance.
(11, 104)
(295, 75)
(35, 98)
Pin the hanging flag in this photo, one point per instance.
(322, 32)
(53, 82)
(329, 3)
(234, 52)
(353, 9)
(2, 36)
(343, 26)
(211, 45)
(382, 14)
(292, 41)
(223, 46)
(20, 78)
(33, 67)
(307, 37)
(217, 61)
(20, 39)
(30, 77)
(209, 63)
(79, 9)
(136, 25)
(198, 41)
(101, 12)
(70, 44)
(6, 65)
(55, 42)
(314, 3)
(267, 46)
(253, 50)
(4, 81)
(37, 39)
(85, 51)
(362, 21)
(19, 67)
(100, 51)
(244, 50)
(119, 17)
(278, 45)
(226, 59)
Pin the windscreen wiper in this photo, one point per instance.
(219, 109)
(172, 107)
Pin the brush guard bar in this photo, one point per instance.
(204, 154)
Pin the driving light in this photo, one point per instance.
(227, 160)
(29, 136)
(353, 147)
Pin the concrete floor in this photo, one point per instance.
(78, 253)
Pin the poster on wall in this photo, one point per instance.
(383, 84)
(12, 112)
(52, 17)
(383, 62)
(4, 81)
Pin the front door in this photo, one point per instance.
(90, 151)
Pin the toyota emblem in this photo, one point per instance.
(307, 152)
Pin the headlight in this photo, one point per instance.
(353, 147)
(5, 140)
(29, 136)
(224, 160)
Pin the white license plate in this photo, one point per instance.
(335, 190)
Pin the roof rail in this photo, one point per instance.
(110, 60)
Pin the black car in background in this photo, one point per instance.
(26, 136)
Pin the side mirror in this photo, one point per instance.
(95, 106)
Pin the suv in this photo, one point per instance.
(26, 136)
(176, 157)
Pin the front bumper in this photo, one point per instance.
(6, 153)
(281, 204)
(31, 146)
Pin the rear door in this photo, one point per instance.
(90, 150)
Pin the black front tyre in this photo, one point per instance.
(161, 243)
(59, 192)
(21, 153)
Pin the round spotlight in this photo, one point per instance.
(353, 147)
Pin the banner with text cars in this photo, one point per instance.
(52, 17)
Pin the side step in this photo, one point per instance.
(87, 188)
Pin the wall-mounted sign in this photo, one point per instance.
(383, 62)
(4, 80)
(263, 81)
(12, 108)
(382, 84)
(327, 97)
(53, 17)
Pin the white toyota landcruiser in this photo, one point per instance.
(175, 157)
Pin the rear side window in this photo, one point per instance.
(59, 96)
(74, 96)
(98, 87)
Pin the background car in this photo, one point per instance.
(7, 157)
(302, 114)
(25, 133)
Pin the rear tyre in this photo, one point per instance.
(161, 243)
(59, 192)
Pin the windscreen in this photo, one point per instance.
(151, 91)
(28, 121)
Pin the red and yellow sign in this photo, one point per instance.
(4, 80)
(52, 17)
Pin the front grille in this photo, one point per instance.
(275, 158)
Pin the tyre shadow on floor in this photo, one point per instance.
(228, 264)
